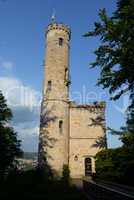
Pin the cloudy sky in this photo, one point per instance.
(22, 48)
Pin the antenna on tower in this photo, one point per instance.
(53, 17)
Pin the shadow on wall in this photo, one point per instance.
(101, 142)
(45, 140)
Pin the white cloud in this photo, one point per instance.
(6, 64)
(19, 95)
(25, 104)
(28, 133)
(27, 129)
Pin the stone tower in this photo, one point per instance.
(69, 132)
(55, 105)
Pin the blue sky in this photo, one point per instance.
(22, 48)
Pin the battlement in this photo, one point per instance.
(55, 26)
(95, 105)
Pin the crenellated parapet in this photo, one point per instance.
(92, 107)
(55, 26)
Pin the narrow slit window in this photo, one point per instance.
(60, 41)
(66, 74)
(61, 126)
(49, 85)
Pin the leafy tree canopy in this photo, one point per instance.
(115, 165)
(5, 112)
(9, 144)
(115, 57)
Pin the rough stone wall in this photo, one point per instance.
(83, 136)
(55, 98)
(57, 62)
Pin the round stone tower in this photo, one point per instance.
(54, 131)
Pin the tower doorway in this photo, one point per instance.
(88, 166)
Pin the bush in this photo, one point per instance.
(115, 165)
(66, 174)
(30, 184)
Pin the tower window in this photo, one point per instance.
(49, 85)
(66, 74)
(60, 41)
(61, 126)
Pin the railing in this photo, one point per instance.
(98, 191)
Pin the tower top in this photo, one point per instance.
(59, 26)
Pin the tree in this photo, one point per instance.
(5, 112)
(115, 54)
(115, 165)
(9, 144)
(115, 57)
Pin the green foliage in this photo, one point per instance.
(9, 144)
(31, 185)
(115, 165)
(115, 53)
(115, 57)
(45, 172)
(66, 174)
(5, 112)
(125, 135)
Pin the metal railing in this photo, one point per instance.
(98, 191)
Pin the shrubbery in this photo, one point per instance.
(66, 174)
(115, 165)
(31, 184)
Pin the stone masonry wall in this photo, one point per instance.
(55, 96)
(83, 136)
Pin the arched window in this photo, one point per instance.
(88, 166)
(61, 126)
(60, 41)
